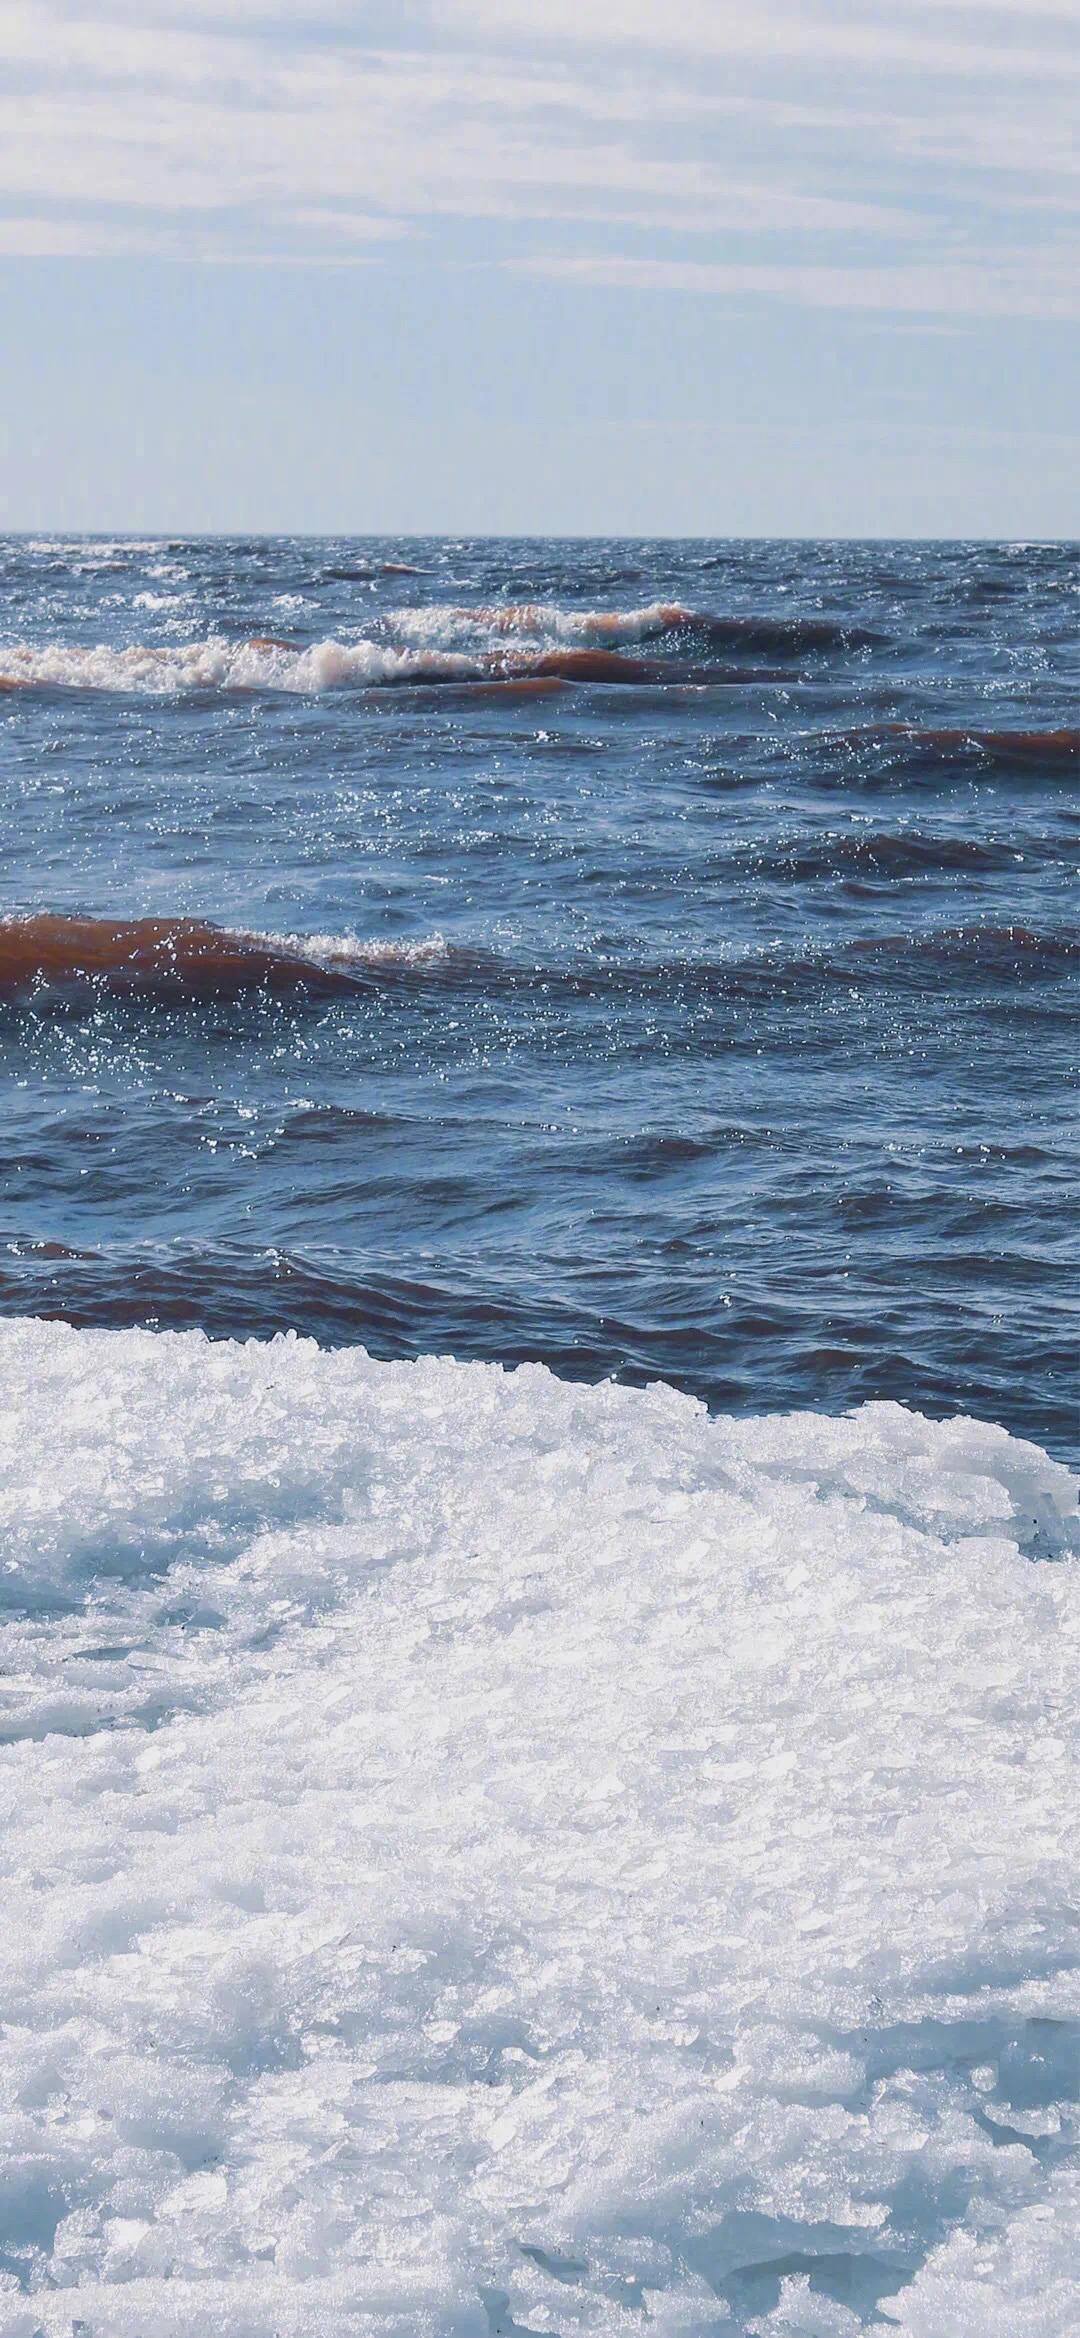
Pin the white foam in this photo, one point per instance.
(538, 622)
(91, 548)
(436, 644)
(358, 949)
(481, 1853)
(218, 664)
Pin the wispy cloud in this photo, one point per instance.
(1013, 288)
(936, 36)
(868, 158)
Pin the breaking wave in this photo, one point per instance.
(266, 662)
(542, 621)
(493, 644)
(178, 957)
(188, 957)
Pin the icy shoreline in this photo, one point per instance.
(483, 1853)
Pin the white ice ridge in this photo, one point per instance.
(486, 1855)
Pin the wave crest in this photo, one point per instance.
(188, 957)
(266, 662)
(540, 621)
(500, 643)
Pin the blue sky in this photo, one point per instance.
(681, 266)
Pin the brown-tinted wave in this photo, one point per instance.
(524, 669)
(189, 958)
(173, 957)
(945, 744)
(273, 663)
(594, 665)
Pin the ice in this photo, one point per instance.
(1018, 2284)
(482, 1854)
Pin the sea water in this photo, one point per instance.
(584, 1847)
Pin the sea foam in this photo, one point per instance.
(483, 1854)
(539, 621)
(161, 670)
(410, 645)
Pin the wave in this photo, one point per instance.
(788, 637)
(364, 572)
(187, 957)
(541, 621)
(348, 951)
(719, 1931)
(883, 853)
(937, 744)
(489, 643)
(270, 662)
(98, 547)
(1011, 946)
(1005, 950)
(999, 953)
(776, 637)
(265, 662)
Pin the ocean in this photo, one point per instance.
(667, 964)
(538, 1590)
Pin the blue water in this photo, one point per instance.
(701, 1011)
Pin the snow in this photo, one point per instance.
(480, 1855)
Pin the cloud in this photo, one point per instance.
(868, 158)
(1013, 288)
(1008, 37)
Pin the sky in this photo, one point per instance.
(676, 267)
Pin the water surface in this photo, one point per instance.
(654, 959)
